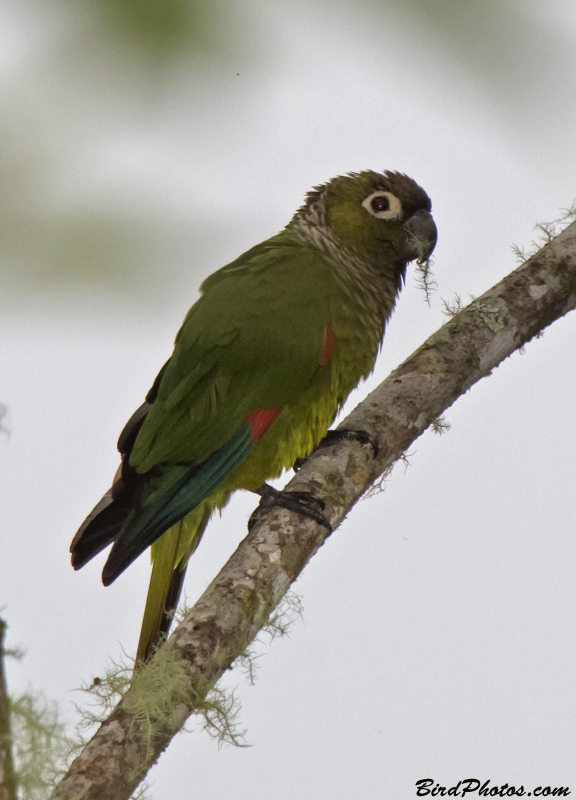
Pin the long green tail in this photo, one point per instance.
(170, 555)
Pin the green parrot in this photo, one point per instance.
(261, 366)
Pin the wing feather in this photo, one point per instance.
(253, 340)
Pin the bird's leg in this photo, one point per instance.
(341, 435)
(306, 503)
(303, 503)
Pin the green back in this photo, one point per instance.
(252, 341)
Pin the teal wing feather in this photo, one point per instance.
(177, 491)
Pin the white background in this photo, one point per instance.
(438, 631)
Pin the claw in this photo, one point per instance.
(341, 435)
(304, 503)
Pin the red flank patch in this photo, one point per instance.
(329, 340)
(260, 421)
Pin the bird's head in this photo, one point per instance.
(382, 216)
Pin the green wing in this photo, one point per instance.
(252, 341)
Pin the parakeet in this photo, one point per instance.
(261, 365)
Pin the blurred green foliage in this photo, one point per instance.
(497, 40)
(159, 26)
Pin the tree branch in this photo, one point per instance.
(238, 602)
(7, 775)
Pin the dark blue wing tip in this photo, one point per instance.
(195, 485)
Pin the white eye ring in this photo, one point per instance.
(393, 211)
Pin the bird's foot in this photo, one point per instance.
(304, 503)
(341, 435)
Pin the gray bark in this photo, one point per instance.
(238, 602)
(7, 775)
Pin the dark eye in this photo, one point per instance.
(383, 205)
(380, 203)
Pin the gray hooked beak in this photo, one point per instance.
(423, 235)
